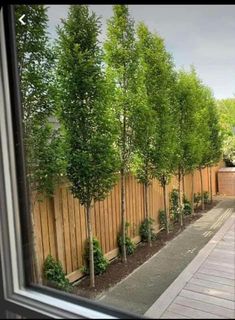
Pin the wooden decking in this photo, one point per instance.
(206, 288)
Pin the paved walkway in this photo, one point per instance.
(139, 291)
(206, 287)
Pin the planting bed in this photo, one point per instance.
(117, 270)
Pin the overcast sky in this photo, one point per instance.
(202, 35)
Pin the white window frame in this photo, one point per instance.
(14, 295)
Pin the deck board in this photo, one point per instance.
(204, 306)
(210, 290)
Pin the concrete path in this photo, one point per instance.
(144, 286)
(206, 287)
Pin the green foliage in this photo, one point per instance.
(100, 262)
(206, 196)
(162, 219)
(189, 116)
(158, 140)
(54, 274)
(84, 109)
(226, 112)
(43, 147)
(197, 198)
(174, 205)
(229, 151)
(120, 56)
(210, 129)
(187, 207)
(143, 119)
(145, 228)
(130, 246)
(49, 159)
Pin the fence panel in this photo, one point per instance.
(60, 222)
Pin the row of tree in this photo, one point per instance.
(122, 107)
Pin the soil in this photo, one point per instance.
(117, 270)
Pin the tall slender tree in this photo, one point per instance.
(159, 83)
(43, 150)
(88, 122)
(203, 132)
(120, 58)
(212, 153)
(144, 125)
(188, 99)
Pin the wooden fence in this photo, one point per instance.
(60, 222)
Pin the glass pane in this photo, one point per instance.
(113, 142)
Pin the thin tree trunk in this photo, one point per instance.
(123, 215)
(211, 190)
(37, 274)
(202, 194)
(147, 212)
(183, 183)
(166, 208)
(180, 199)
(91, 253)
(192, 199)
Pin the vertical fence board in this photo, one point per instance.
(72, 227)
(59, 227)
(51, 225)
(44, 226)
(38, 235)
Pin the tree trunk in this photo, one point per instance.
(37, 274)
(202, 194)
(123, 215)
(166, 208)
(91, 253)
(192, 199)
(180, 199)
(211, 190)
(146, 202)
(183, 183)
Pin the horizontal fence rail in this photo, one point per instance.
(60, 221)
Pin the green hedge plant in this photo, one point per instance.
(54, 275)
(206, 197)
(174, 205)
(146, 227)
(100, 262)
(162, 219)
(197, 198)
(130, 246)
(187, 208)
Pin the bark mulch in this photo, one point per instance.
(117, 270)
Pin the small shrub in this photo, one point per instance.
(162, 219)
(206, 197)
(130, 246)
(100, 262)
(145, 227)
(174, 205)
(187, 208)
(54, 274)
(197, 198)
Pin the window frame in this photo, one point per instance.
(16, 295)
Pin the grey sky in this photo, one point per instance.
(202, 35)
